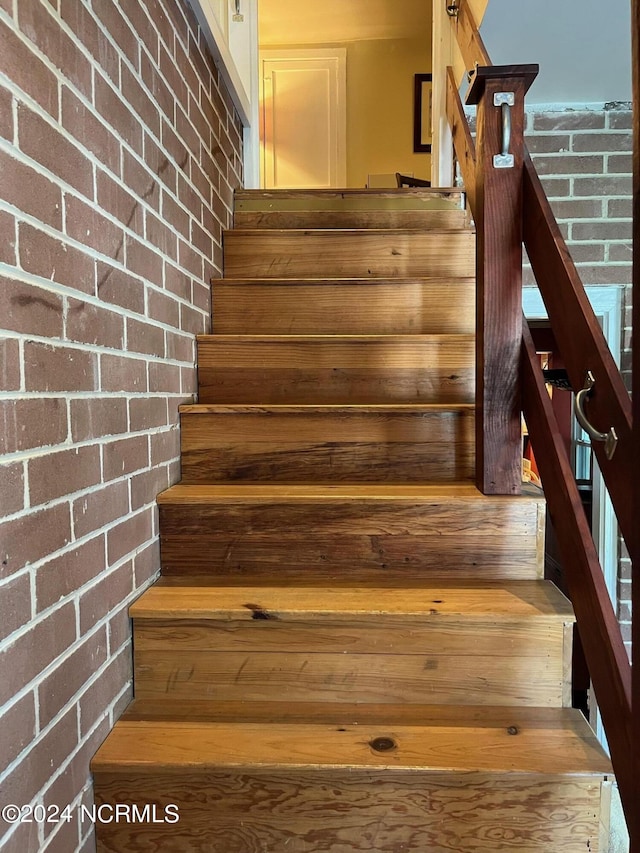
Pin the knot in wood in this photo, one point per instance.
(383, 744)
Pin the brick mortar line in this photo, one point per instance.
(74, 598)
(66, 189)
(9, 146)
(65, 764)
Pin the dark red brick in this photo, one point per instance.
(144, 261)
(620, 120)
(125, 456)
(606, 142)
(119, 288)
(31, 537)
(147, 412)
(44, 144)
(146, 487)
(15, 606)
(620, 164)
(120, 373)
(88, 129)
(141, 24)
(29, 309)
(160, 92)
(120, 631)
(39, 422)
(83, 24)
(620, 252)
(180, 347)
(65, 574)
(173, 75)
(172, 143)
(188, 381)
(94, 325)
(159, 163)
(187, 132)
(569, 120)
(86, 225)
(202, 182)
(129, 535)
(51, 368)
(601, 231)
(28, 655)
(201, 240)
(162, 236)
(100, 507)
(201, 296)
(147, 563)
(177, 282)
(30, 191)
(67, 679)
(141, 103)
(192, 321)
(55, 260)
(9, 363)
(189, 259)
(98, 416)
(145, 338)
(104, 691)
(606, 185)
(63, 473)
(175, 215)
(164, 378)
(18, 729)
(118, 114)
(105, 596)
(119, 202)
(11, 486)
(51, 751)
(162, 308)
(45, 31)
(6, 114)
(120, 30)
(21, 65)
(140, 180)
(165, 446)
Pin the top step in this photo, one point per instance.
(422, 209)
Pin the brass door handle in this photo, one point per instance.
(610, 438)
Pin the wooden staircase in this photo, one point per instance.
(350, 647)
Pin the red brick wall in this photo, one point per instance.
(119, 152)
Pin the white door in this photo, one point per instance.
(303, 118)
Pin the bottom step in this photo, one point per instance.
(336, 779)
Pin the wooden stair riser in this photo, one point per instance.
(342, 370)
(348, 538)
(348, 254)
(347, 307)
(437, 209)
(299, 811)
(457, 663)
(326, 445)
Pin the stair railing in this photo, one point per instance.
(510, 207)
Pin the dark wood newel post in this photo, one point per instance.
(498, 218)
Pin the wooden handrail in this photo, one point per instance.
(599, 629)
(583, 348)
(580, 340)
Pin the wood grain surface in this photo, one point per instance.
(256, 253)
(314, 531)
(374, 306)
(326, 444)
(323, 369)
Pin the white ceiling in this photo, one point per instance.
(583, 46)
(320, 21)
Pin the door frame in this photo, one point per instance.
(339, 53)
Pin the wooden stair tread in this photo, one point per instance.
(283, 492)
(554, 743)
(324, 408)
(243, 196)
(358, 281)
(438, 601)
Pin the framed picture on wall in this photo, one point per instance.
(422, 95)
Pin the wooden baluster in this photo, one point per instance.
(498, 218)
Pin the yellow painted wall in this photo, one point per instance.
(380, 75)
